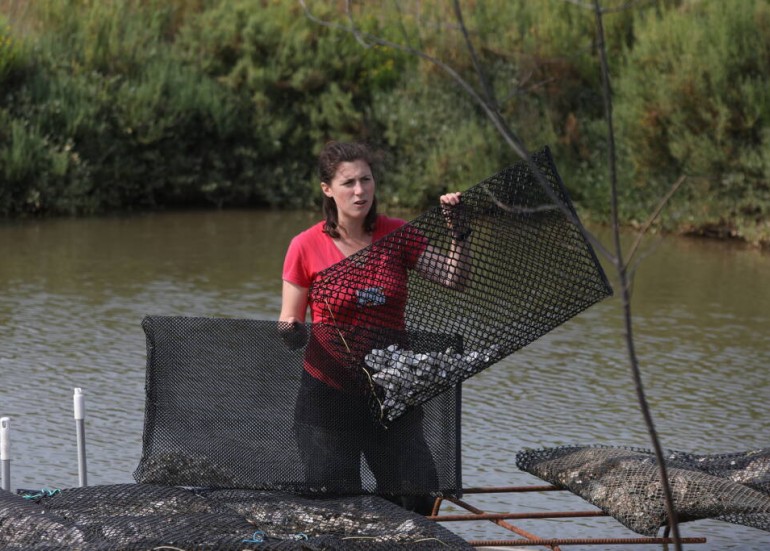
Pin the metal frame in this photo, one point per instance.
(528, 539)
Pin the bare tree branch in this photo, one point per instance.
(634, 266)
(514, 208)
(354, 29)
(489, 92)
(624, 286)
(645, 228)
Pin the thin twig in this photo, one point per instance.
(334, 321)
(624, 287)
(515, 209)
(356, 34)
(645, 228)
(489, 92)
(634, 266)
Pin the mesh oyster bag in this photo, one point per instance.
(229, 405)
(625, 483)
(519, 266)
(130, 517)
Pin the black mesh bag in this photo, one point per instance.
(520, 266)
(133, 517)
(230, 405)
(625, 483)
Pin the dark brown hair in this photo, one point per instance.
(330, 158)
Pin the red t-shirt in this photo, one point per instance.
(350, 297)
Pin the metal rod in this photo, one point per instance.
(530, 539)
(80, 411)
(579, 541)
(518, 516)
(5, 453)
(511, 489)
(503, 523)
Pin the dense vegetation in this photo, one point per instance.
(134, 104)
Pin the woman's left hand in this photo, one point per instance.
(454, 213)
(453, 198)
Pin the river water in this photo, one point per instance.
(74, 291)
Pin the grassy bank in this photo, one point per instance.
(144, 104)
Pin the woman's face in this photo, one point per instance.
(352, 189)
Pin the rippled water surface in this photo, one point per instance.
(73, 293)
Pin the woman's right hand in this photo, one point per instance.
(291, 322)
(293, 333)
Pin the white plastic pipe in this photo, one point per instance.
(80, 414)
(5, 453)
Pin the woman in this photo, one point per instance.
(333, 423)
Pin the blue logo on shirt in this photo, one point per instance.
(373, 296)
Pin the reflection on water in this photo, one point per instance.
(73, 293)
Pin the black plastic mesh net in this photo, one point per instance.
(229, 405)
(142, 516)
(522, 267)
(625, 483)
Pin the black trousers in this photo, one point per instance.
(335, 430)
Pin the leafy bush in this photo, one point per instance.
(437, 142)
(11, 58)
(706, 114)
(150, 129)
(307, 83)
(36, 173)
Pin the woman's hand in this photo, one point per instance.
(455, 215)
(450, 268)
(293, 333)
(453, 198)
(291, 322)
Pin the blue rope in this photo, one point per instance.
(45, 492)
(257, 537)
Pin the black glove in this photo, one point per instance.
(294, 334)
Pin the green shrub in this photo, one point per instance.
(36, 174)
(437, 142)
(693, 98)
(11, 58)
(307, 84)
(151, 128)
